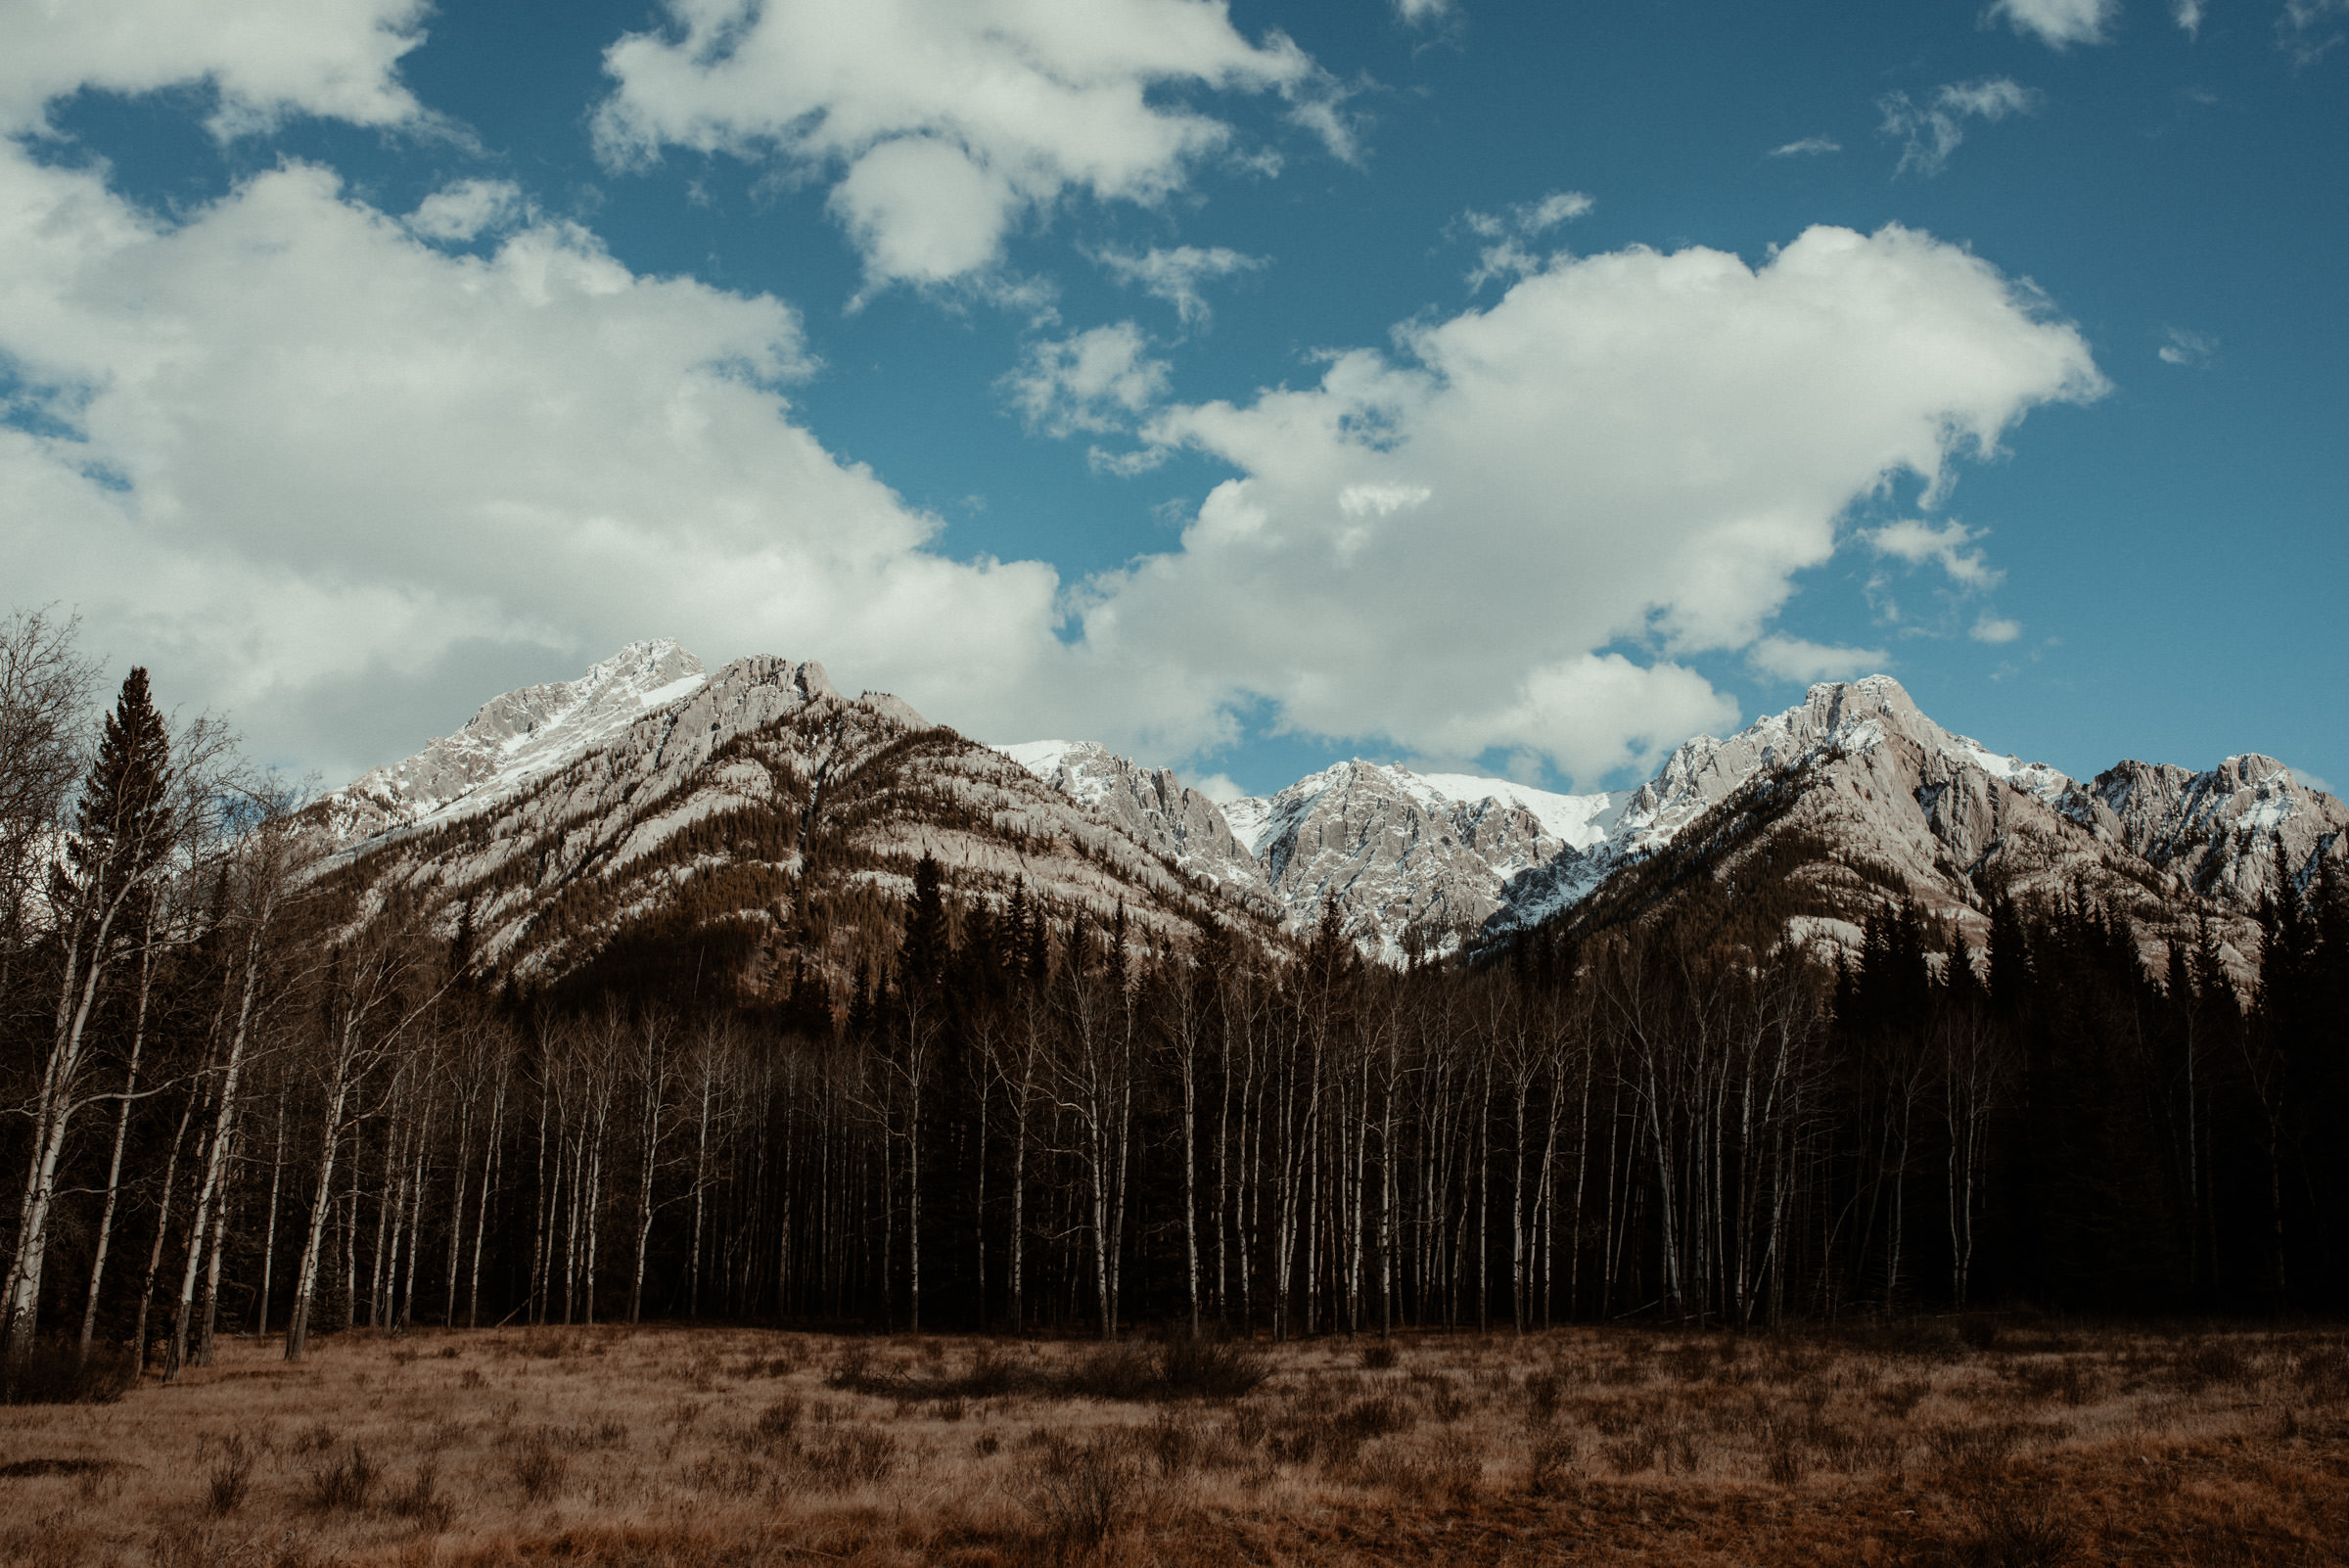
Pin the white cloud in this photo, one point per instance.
(1796, 660)
(1098, 380)
(340, 481)
(1996, 629)
(1174, 275)
(1948, 545)
(463, 212)
(2306, 781)
(1219, 788)
(1808, 147)
(1509, 233)
(267, 58)
(944, 121)
(2058, 24)
(1932, 130)
(2187, 14)
(2309, 28)
(1382, 500)
(1630, 452)
(1416, 12)
(2179, 346)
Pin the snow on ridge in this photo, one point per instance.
(1581, 820)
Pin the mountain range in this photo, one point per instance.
(567, 824)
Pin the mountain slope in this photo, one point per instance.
(568, 821)
(759, 810)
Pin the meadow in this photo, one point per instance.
(1974, 1444)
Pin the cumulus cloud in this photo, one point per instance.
(2059, 24)
(1802, 661)
(324, 474)
(267, 58)
(1416, 12)
(1624, 461)
(1098, 380)
(942, 122)
(1996, 629)
(1219, 788)
(2194, 349)
(1931, 132)
(1509, 235)
(2187, 14)
(1808, 147)
(464, 211)
(1174, 275)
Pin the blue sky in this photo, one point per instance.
(1519, 388)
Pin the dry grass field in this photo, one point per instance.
(676, 1448)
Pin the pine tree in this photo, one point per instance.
(122, 831)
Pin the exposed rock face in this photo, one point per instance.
(563, 812)
(1413, 863)
(759, 797)
(2232, 834)
(1155, 809)
(517, 737)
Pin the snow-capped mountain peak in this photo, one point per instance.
(520, 736)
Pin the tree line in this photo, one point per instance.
(249, 1099)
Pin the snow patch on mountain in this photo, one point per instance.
(517, 737)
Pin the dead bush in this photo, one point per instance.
(2208, 1361)
(540, 1467)
(1543, 1391)
(1084, 1494)
(55, 1373)
(344, 1480)
(846, 1457)
(1457, 1471)
(1549, 1464)
(421, 1499)
(231, 1477)
(1193, 1367)
(2014, 1529)
(777, 1423)
(1115, 1372)
(1900, 1398)
(1985, 1447)
(2062, 1378)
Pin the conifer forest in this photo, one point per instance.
(243, 1102)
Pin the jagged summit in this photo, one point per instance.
(660, 783)
(519, 736)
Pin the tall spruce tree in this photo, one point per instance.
(123, 831)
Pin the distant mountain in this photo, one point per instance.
(754, 813)
(570, 820)
(517, 737)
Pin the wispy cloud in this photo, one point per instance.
(2194, 350)
(2309, 28)
(2060, 24)
(1952, 547)
(2187, 14)
(1176, 275)
(1931, 130)
(1509, 234)
(1808, 147)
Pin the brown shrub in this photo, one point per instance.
(540, 1467)
(343, 1481)
(231, 1477)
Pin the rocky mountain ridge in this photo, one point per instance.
(1854, 796)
